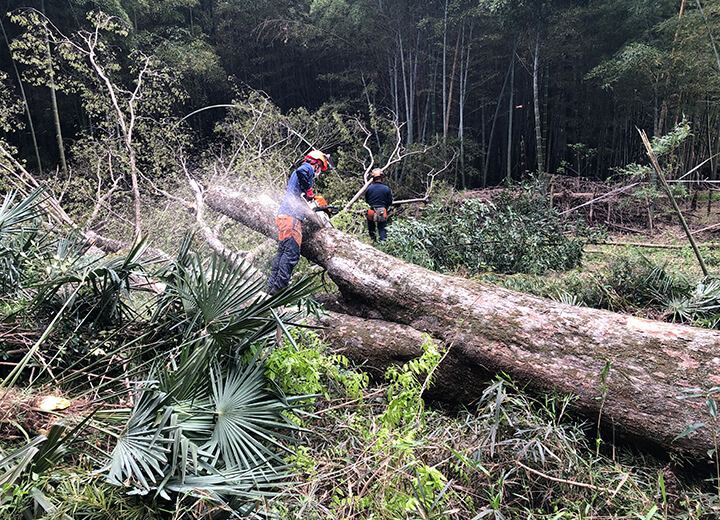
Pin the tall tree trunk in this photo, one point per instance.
(710, 34)
(25, 100)
(714, 169)
(462, 98)
(452, 81)
(486, 164)
(483, 140)
(444, 71)
(511, 113)
(536, 106)
(406, 90)
(627, 372)
(545, 115)
(53, 101)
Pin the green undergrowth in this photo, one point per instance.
(378, 451)
(631, 283)
(517, 231)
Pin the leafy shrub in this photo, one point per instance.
(307, 370)
(518, 232)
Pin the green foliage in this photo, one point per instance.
(27, 467)
(128, 94)
(396, 441)
(534, 430)
(630, 282)
(709, 396)
(668, 143)
(405, 404)
(214, 439)
(103, 299)
(18, 233)
(635, 172)
(515, 233)
(14, 499)
(583, 159)
(203, 419)
(207, 423)
(700, 307)
(636, 281)
(633, 60)
(84, 495)
(308, 370)
(10, 106)
(256, 123)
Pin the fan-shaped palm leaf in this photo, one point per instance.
(16, 233)
(248, 485)
(141, 453)
(223, 312)
(701, 307)
(14, 217)
(226, 302)
(105, 296)
(248, 418)
(218, 443)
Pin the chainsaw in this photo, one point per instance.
(323, 210)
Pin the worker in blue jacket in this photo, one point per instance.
(379, 197)
(290, 216)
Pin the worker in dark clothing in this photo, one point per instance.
(290, 216)
(379, 198)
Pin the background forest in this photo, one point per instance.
(142, 374)
(548, 85)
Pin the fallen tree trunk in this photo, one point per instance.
(627, 372)
(375, 345)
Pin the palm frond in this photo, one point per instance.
(220, 310)
(248, 484)
(140, 456)
(568, 298)
(40, 453)
(701, 307)
(14, 465)
(17, 232)
(219, 443)
(14, 216)
(105, 296)
(248, 418)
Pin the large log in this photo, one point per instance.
(375, 344)
(626, 371)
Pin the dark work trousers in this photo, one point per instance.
(381, 230)
(288, 254)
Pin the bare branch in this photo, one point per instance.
(103, 198)
(399, 153)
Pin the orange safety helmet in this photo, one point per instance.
(377, 173)
(316, 156)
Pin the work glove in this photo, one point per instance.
(309, 195)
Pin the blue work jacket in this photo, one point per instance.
(300, 181)
(378, 195)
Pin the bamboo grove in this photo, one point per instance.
(514, 87)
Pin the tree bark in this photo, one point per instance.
(544, 345)
(375, 344)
